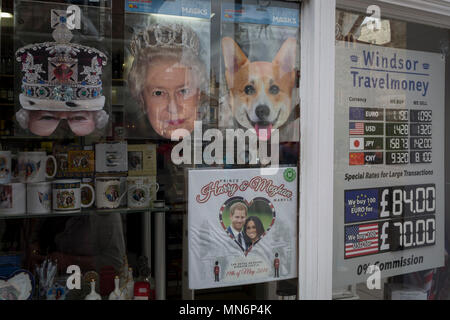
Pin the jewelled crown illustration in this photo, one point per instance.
(60, 75)
(174, 36)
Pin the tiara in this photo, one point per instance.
(59, 75)
(161, 36)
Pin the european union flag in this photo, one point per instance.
(361, 205)
(356, 113)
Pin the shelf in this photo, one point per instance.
(84, 212)
(37, 138)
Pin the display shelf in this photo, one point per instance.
(30, 137)
(84, 212)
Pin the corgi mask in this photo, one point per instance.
(260, 92)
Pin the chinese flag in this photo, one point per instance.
(356, 158)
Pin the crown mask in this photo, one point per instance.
(164, 36)
(61, 76)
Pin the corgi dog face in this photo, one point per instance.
(260, 92)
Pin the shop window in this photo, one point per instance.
(391, 209)
(128, 124)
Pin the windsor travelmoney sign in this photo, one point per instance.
(389, 169)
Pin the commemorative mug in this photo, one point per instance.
(5, 167)
(86, 194)
(67, 195)
(108, 192)
(33, 166)
(39, 197)
(12, 198)
(141, 191)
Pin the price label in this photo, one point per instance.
(405, 234)
(397, 115)
(404, 201)
(397, 157)
(397, 129)
(421, 116)
(418, 157)
(397, 144)
(388, 236)
(420, 129)
(421, 143)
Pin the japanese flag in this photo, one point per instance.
(356, 143)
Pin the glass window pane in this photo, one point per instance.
(390, 170)
(115, 113)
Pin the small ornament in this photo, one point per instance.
(130, 285)
(57, 292)
(117, 294)
(93, 295)
(142, 290)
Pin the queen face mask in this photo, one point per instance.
(61, 80)
(44, 123)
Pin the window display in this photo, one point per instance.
(100, 101)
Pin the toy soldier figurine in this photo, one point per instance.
(276, 264)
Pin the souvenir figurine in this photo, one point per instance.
(56, 292)
(117, 294)
(167, 76)
(130, 285)
(93, 295)
(61, 80)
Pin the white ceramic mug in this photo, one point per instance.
(67, 195)
(39, 197)
(108, 192)
(5, 167)
(33, 166)
(141, 191)
(12, 199)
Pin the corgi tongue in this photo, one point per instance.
(263, 133)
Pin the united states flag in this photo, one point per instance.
(356, 128)
(361, 240)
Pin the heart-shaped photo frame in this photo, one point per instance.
(246, 223)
